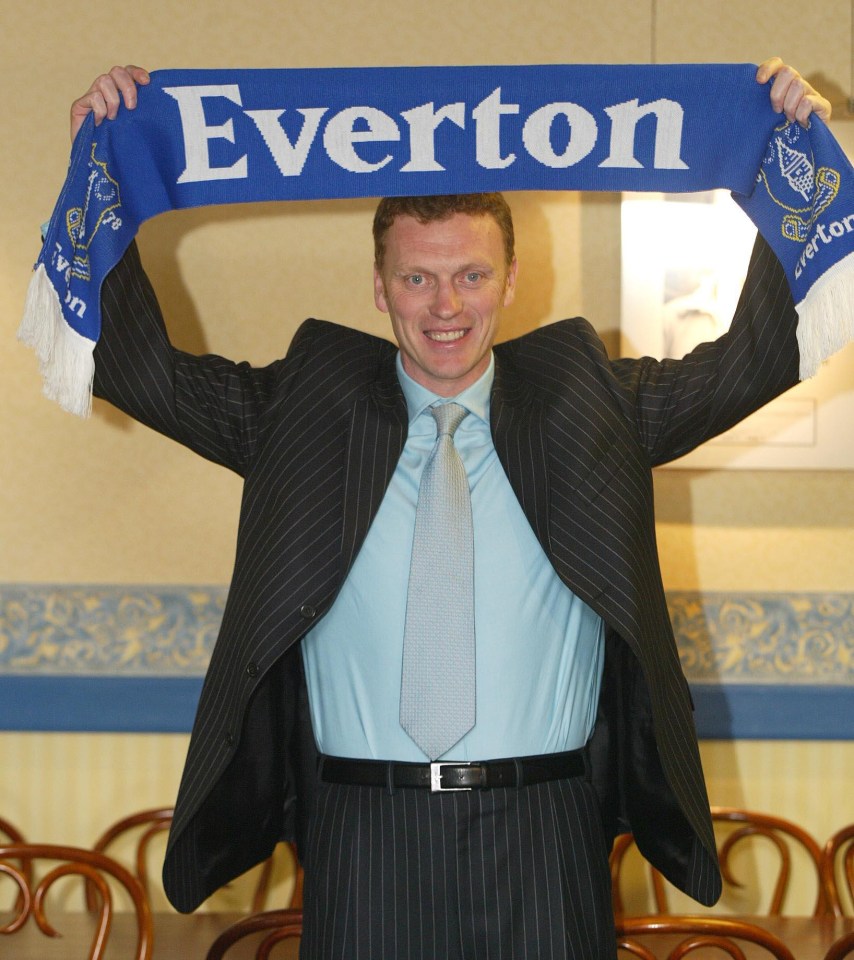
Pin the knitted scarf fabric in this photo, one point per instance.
(233, 136)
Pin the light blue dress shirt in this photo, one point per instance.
(539, 648)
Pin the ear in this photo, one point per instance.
(510, 284)
(379, 291)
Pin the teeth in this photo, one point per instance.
(446, 336)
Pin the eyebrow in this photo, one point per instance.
(473, 266)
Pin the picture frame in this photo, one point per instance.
(684, 260)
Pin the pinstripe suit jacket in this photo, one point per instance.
(316, 437)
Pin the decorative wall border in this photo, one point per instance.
(131, 658)
(782, 638)
(104, 630)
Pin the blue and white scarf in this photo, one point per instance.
(203, 137)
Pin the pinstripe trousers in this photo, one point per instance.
(502, 874)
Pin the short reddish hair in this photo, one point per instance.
(442, 207)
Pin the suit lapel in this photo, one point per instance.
(378, 429)
(518, 431)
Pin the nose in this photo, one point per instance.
(446, 303)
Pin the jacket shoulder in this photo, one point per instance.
(551, 356)
(563, 335)
(326, 335)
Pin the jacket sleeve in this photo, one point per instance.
(211, 405)
(679, 404)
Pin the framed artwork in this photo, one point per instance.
(684, 259)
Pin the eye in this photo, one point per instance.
(415, 279)
(473, 276)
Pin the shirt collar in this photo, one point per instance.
(474, 398)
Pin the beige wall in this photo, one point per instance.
(106, 501)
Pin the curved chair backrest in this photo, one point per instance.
(785, 835)
(13, 834)
(736, 828)
(146, 825)
(276, 925)
(837, 864)
(95, 868)
(696, 933)
(842, 948)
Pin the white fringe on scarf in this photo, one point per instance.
(826, 316)
(65, 358)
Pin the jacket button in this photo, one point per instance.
(307, 611)
(228, 738)
(252, 669)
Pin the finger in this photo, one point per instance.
(107, 93)
(795, 98)
(785, 79)
(139, 74)
(768, 69)
(123, 81)
(104, 95)
(791, 94)
(802, 100)
(93, 102)
(812, 105)
(117, 87)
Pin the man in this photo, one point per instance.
(582, 727)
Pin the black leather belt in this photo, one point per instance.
(453, 775)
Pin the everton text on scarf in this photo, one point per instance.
(346, 132)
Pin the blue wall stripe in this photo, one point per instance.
(746, 711)
(99, 704)
(168, 704)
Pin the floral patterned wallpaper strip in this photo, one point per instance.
(84, 630)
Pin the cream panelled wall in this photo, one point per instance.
(105, 501)
(67, 788)
(245, 277)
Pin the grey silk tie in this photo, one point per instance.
(437, 694)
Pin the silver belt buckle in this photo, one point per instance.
(436, 785)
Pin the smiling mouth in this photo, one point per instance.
(445, 336)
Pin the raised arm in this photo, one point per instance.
(681, 403)
(210, 404)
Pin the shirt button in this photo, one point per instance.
(307, 611)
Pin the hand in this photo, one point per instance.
(106, 94)
(791, 94)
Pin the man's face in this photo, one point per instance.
(444, 284)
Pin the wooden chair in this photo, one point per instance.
(842, 948)
(95, 868)
(146, 825)
(278, 925)
(837, 861)
(783, 835)
(723, 933)
(13, 834)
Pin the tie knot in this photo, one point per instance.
(448, 417)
